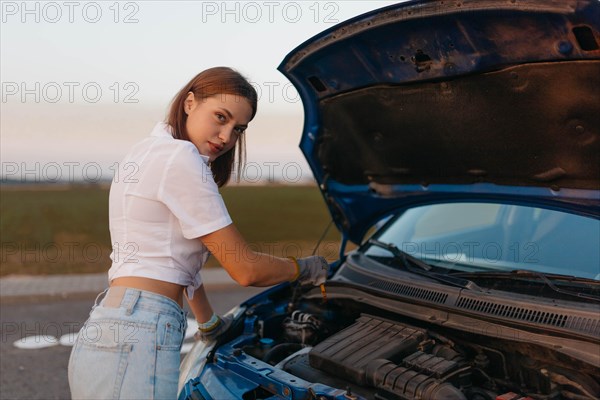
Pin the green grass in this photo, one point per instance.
(277, 212)
(50, 231)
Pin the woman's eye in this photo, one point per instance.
(221, 117)
(240, 131)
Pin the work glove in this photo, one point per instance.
(311, 270)
(214, 328)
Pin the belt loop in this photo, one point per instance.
(114, 297)
(96, 302)
(134, 299)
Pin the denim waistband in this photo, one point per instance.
(128, 298)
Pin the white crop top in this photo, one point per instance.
(163, 198)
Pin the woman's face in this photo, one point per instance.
(215, 123)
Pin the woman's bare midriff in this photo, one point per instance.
(167, 289)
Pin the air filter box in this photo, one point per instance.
(347, 353)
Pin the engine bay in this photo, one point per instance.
(373, 353)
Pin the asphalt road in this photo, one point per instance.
(42, 374)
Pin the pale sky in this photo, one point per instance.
(83, 81)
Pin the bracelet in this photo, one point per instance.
(297, 274)
(209, 325)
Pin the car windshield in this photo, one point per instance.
(474, 237)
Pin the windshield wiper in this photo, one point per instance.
(409, 262)
(546, 278)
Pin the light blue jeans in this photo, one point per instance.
(129, 348)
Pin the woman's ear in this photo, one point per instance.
(190, 103)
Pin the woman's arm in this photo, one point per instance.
(244, 265)
(210, 325)
(200, 305)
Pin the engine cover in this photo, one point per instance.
(348, 353)
(387, 355)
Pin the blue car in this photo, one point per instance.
(457, 144)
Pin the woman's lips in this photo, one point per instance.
(214, 148)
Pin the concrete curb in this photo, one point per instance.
(19, 288)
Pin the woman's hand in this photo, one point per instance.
(216, 329)
(313, 270)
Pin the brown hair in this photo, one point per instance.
(208, 83)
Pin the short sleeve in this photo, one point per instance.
(188, 189)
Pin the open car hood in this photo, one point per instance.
(438, 101)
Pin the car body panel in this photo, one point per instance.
(459, 124)
(397, 113)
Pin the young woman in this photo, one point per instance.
(165, 218)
